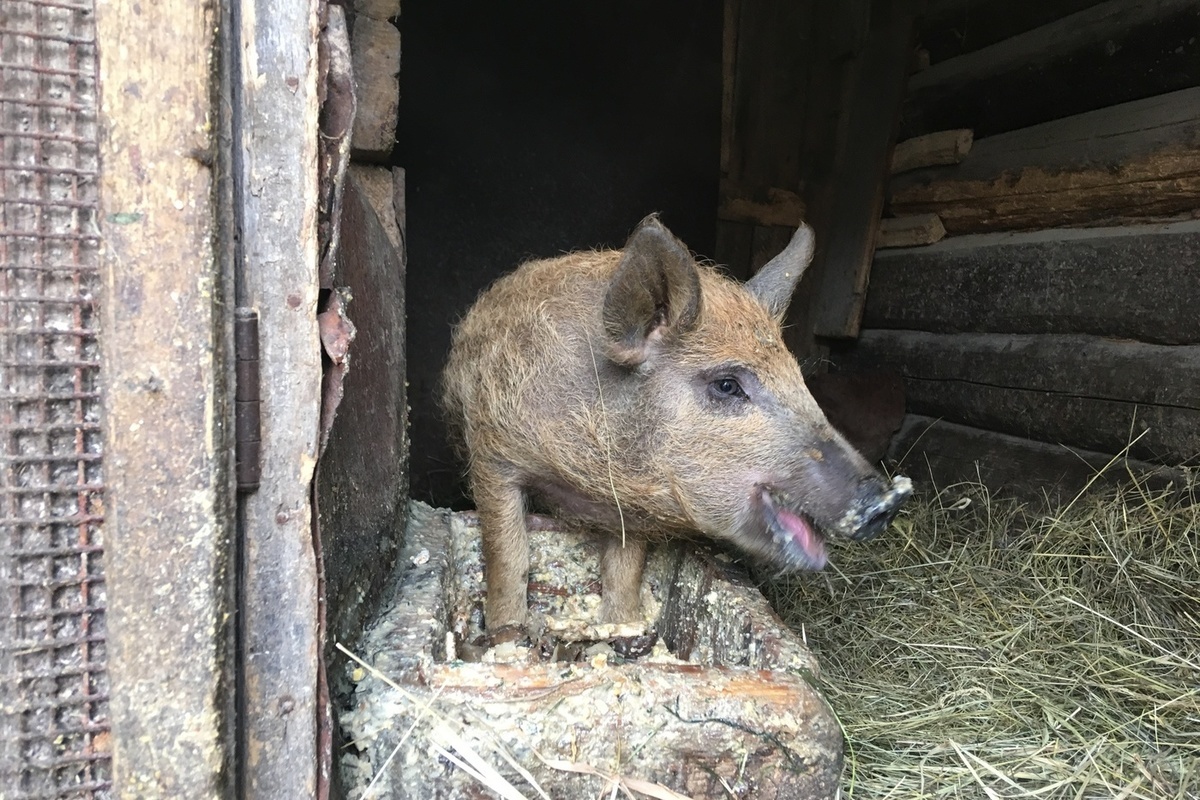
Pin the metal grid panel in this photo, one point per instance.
(53, 687)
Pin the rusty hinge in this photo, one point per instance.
(247, 404)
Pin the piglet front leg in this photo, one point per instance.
(500, 501)
(621, 566)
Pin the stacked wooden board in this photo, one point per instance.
(1054, 326)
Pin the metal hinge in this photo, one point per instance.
(247, 404)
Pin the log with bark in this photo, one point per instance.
(1127, 162)
(723, 705)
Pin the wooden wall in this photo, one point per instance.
(1005, 195)
(1056, 323)
(812, 95)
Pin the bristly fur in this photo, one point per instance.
(591, 393)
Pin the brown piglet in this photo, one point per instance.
(642, 395)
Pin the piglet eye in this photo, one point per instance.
(727, 387)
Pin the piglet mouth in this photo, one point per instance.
(799, 538)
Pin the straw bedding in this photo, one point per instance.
(979, 650)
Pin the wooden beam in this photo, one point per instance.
(932, 150)
(943, 454)
(863, 154)
(1134, 283)
(953, 27)
(1130, 161)
(1110, 53)
(764, 93)
(1079, 390)
(276, 123)
(763, 103)
(914, 231)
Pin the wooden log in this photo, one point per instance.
(863, 154)
(1083, 391)
(912, 231)
(729, 694)
(278, 114)
(932, 150)
(943, 455)
(1136, 160)
(953, 27)
(772, 206)
(1110, 53)
(375, 45)
(1135, 283)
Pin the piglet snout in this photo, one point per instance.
(876, 506)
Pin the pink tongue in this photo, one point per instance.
(804, 536)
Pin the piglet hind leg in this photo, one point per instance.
(501, 505)
(621, 566)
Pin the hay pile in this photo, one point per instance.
(976, 650)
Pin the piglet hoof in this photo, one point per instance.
(508, 634)
(631, 647)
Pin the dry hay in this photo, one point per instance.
(978, 650)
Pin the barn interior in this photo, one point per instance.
(598, 117)
(1005, 202)
(1079, 226)
(1006, 198)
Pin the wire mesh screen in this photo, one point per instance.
(53, 687)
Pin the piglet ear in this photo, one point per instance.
(774, 283)
(654, 294)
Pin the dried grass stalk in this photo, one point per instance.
(979, 649)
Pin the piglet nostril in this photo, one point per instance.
(880, 505)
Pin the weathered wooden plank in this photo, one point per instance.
(1110, 53)
(953, 27)
(911, 231)
(362, 478)
(1135, 160)
(932, 150)
(375, 48)
(276, 114)
(863, 157)
(762, 119)
(731, 16)
(168, 507)
(1083, 391)
(767, 101)
(834, 44)
(1137, 283)
(943, 454)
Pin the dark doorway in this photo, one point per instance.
(531, 129)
